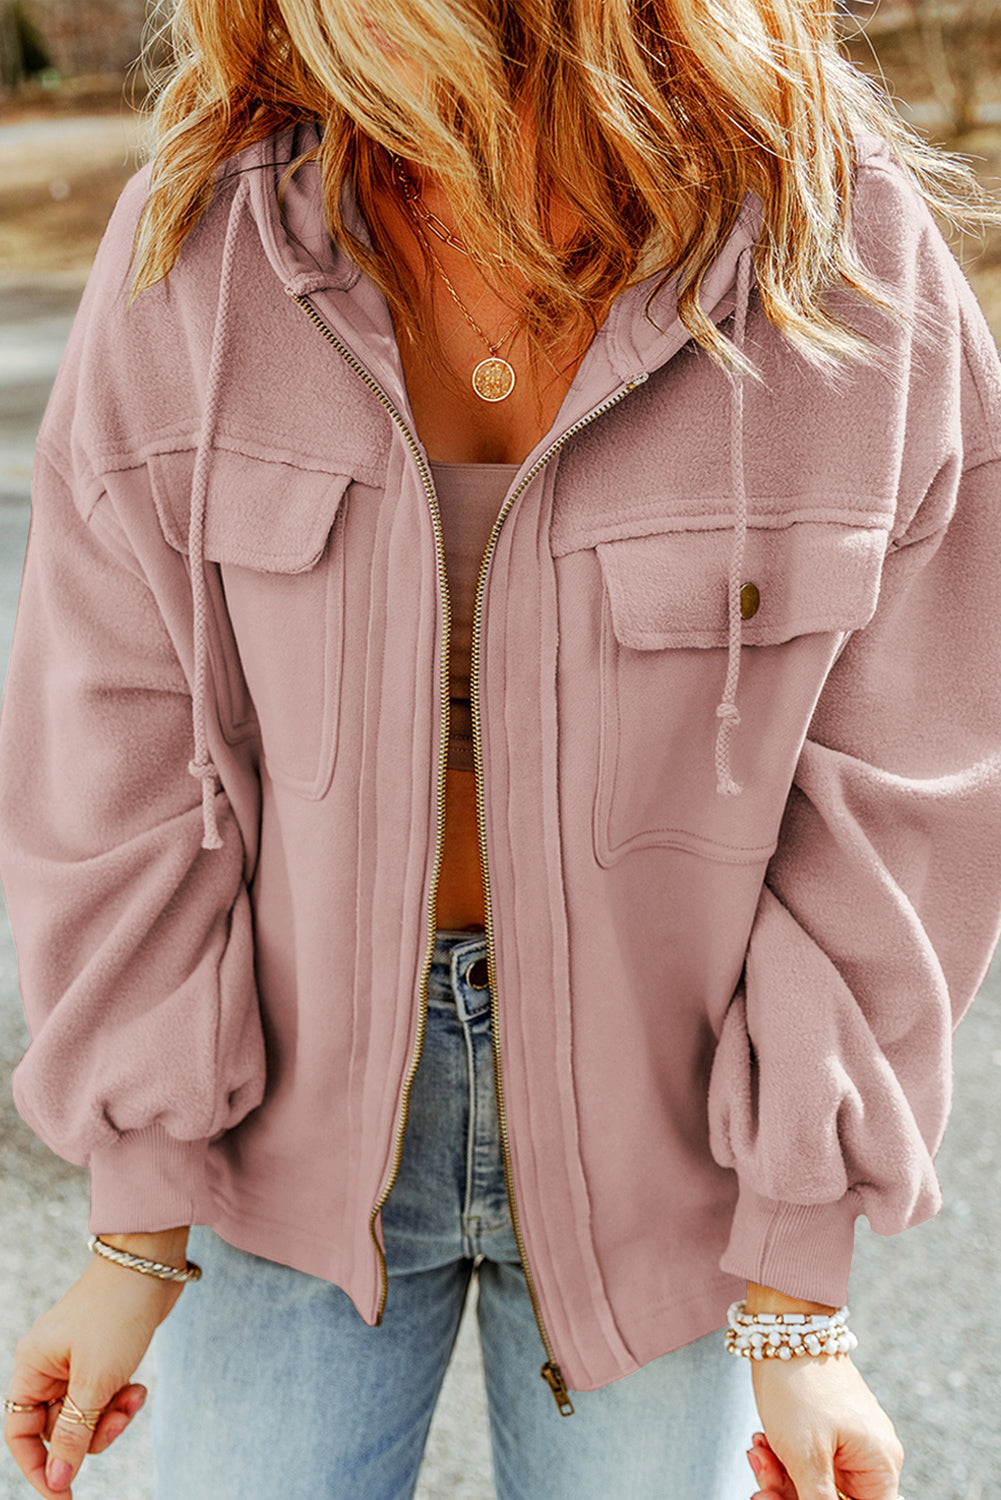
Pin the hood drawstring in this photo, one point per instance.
(201, 766)
(726, 710)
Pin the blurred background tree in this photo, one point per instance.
(23, 53)
(943, 53)
(71, 36)
(943, 57)
(955, 41)
(940, 63)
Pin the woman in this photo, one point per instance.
(500, 761)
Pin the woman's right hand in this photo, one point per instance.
(87, 1347)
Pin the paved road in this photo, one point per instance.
(925, 1303)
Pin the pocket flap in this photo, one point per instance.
(262, 514)
(670, 589)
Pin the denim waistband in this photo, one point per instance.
(458, 977)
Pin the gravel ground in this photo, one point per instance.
(923, 1302)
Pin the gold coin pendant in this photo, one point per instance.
(493, 379)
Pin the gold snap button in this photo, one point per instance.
(750, 599)
(477, 975)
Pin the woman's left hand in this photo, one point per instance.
(826, 1433)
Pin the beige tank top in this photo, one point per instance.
(469, 499)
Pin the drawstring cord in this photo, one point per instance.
(201, 766)
(726, 710)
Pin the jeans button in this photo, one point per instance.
(477, 975)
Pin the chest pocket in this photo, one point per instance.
(663, 659)
(276, 603)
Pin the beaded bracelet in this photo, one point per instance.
(787, 1335)
(146, 1267)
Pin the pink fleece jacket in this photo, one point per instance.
(724, 1018)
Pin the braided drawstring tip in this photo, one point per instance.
(729, 717)
(206, 773)
(726, 786)
(211, 838)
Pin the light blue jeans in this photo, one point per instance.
(354, 1404)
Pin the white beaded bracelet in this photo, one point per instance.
(787, 1335)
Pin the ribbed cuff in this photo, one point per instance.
(147, 1181)
(803, 1250)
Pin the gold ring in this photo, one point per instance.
(76, 1415)
(10, 1407)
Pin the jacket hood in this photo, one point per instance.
(724, 1022)
(303, 256)
(641, 332)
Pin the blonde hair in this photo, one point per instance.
(652, 120)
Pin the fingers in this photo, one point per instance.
(80, 1428)
(818, 1482)
(804, 1480)
(828, 1430)
(117, 1416)
(23, 1433)
(72, 1433)
(772, 1478)
(42, 1430)
(77, 1360)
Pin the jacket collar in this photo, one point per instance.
(633, 341)
(634, 338)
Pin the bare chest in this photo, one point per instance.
(455, 420)
(459, 418)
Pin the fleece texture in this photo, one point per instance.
(724, 1020)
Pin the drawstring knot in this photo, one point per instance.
(206, 772)
(725, 784)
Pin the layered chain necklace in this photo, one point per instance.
(493, 378)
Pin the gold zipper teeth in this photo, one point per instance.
(550, 1370)
(428, 483)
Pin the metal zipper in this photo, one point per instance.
(550, 1371)
(428, 483)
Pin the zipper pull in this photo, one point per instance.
(551, 1375)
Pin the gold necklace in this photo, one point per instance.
(493, 379)
(414, 201)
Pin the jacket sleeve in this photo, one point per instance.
(881, 906)
(134, 945)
